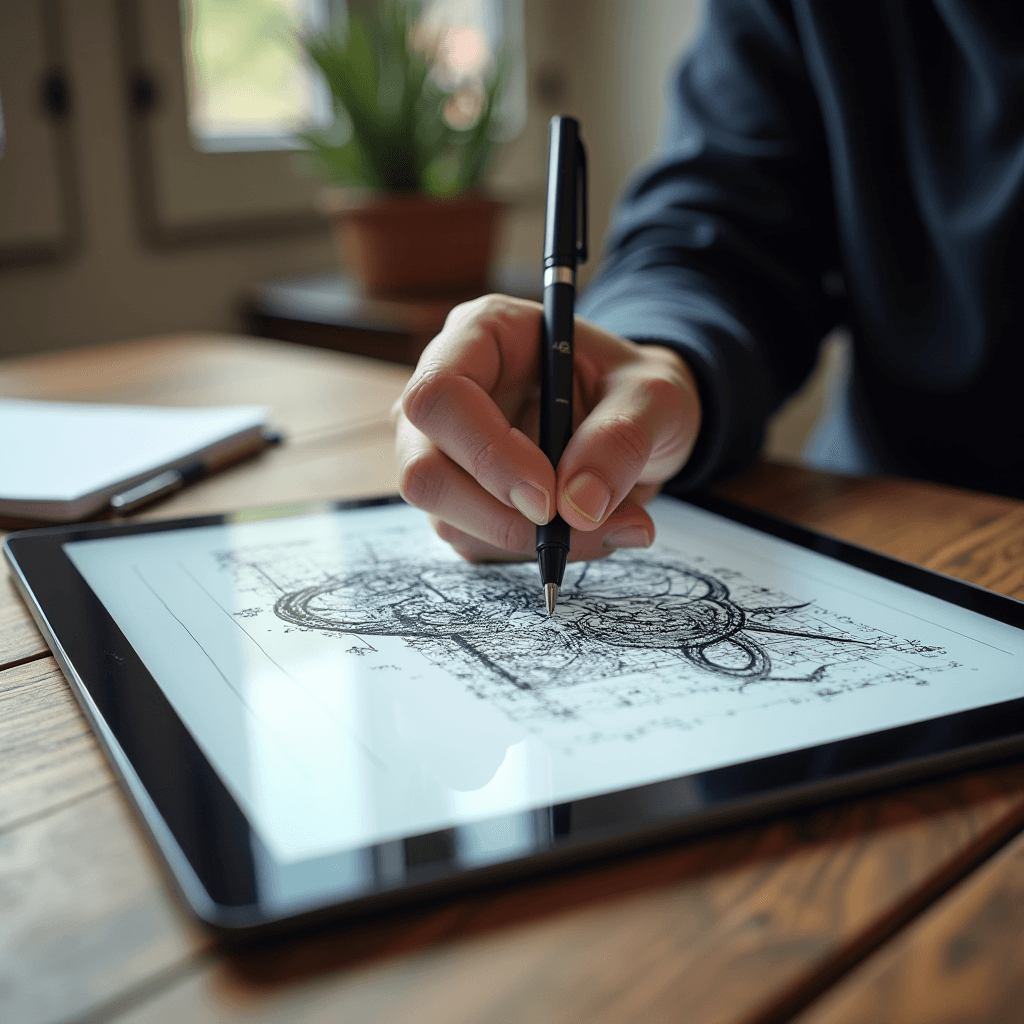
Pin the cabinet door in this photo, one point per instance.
(37, 215)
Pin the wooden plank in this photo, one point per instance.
(907, 519)
(963, 960)
(19, 638)
(724, 929)
(47, 754)
(992, 557)
(324, 402)
(85, 915)
(730, 925)
(308, 389)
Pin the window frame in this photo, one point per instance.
(261, 188)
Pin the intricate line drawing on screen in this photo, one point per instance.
(698, 627)
(614, 609)
(635, 636)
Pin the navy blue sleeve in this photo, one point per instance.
(719, 248)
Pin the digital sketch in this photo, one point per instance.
(641, 641)
(615, 616)
(697, 628)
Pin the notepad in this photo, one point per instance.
(62, 461)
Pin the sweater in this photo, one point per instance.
(822, 164)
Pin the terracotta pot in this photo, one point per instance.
(412, 244)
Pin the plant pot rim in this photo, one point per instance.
(335, 199)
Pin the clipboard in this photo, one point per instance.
(321, 711)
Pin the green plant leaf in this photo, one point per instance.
(345, 164)
(399, 137)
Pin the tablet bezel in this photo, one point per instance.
(231, 881)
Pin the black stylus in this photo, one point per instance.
(565, 245)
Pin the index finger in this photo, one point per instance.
(471, 377)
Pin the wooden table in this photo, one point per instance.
(330, 310)
(902, 907)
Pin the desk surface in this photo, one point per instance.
(903, 907)
(329, 310)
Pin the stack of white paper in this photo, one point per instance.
(62, 461)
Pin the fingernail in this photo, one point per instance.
(533, 502)
(589, 495)
(628, 537)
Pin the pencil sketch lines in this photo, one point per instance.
(616, 618)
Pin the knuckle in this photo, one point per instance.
(496, 312)
(449, 534)
(475, 310)
(513, 534)
(484, 460)
(460, 314)
(627, 441)
(660, 392)
(493, 306)
(420, 479)
(424, 393)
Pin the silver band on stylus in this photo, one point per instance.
(559, 275)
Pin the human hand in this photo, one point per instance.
(469, 418)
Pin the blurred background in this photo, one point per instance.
(150, 180)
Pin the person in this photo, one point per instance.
(822, 163)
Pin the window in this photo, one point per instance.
(220, 89)
(249, 88)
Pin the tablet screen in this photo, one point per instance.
(352, 681)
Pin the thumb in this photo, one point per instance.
(642, 431)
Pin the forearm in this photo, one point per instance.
(718, 248)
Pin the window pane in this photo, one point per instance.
(249, 87)
(471, 32)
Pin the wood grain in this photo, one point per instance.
(729, 928)
(908, 519)
(307, 389)
(323, 402)
(741, 926)
(356, 469)
(48, 756)
(962, 962)
(19, 638)
(992, 556)
(86, 916)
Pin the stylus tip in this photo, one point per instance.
(550, 596)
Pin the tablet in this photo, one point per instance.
(323, 710)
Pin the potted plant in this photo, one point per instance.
(413, 138)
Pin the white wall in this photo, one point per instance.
(621, 55)
(116, 287)
(614, 55)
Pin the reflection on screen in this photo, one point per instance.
(353, 682)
